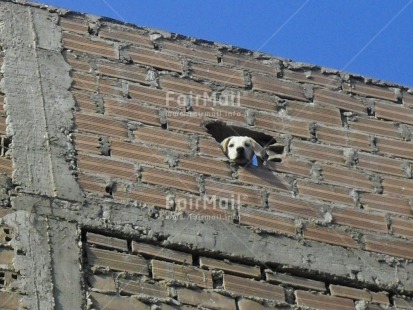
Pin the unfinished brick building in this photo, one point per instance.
(115, 193)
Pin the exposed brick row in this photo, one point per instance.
(278, 87)
(313, 77)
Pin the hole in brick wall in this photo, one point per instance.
(271, 150)
(104, 146)
(4, 145)
(370, 111)
(14, 276)
(219, 59)
(164, 126)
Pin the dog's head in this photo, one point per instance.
(241, 150)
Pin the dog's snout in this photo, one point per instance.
(240, 149)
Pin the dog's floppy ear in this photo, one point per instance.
(258, 149)
(224, 145)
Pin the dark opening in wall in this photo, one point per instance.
(220, 131)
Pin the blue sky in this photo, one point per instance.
(373, 38)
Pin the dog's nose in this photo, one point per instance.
(240, 149)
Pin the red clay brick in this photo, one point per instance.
(143, 288)
(106, 166)
(205, 166)
(107, 242)
(339, 100)
(247, 62)
(230, 267)
(210, 147)
(343, 137)
(3, 126)
(248, 304)
(225, 113)
(185, 86)
(186, 122)
(84, 101)
(346, 177)
(314, 113)
(402, 227)
(319, 152)
(357, 294)
(117, 261)
(283, 125)
(111, 87)
(6, 257)
(279, 87)
(362, 220)
(89, 46)
(86, 143)
(114, 302)
(77, 25)
(145, 195)
(188, 274)
(323, 302)
(206, 299)
(183, 48)
(6, 166)
(84, 82)
(248, 287)
(381, 164)
(395, 148)
(386, 203)
(290, 165)
(163, 138)
(318, 78)
(330, 236)
(375, 127)
(132, 111)
(367, 90)
(155, 59)
(287, 204)
(389, 246)
(100, 125)
(127, 72)
(203, 208)
(161, 253)
(170, 178)
(267, 221)
(76, 63)
(402, 187)
(92, 184)
(138, 153)
(125, 34)
(281, 278)
(9, 300)
(241, 194)
(149, 95)
(325, 192)
(258, 102)
(262, 176)
(218, 74)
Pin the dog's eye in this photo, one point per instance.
(247, 144)
(231, 145)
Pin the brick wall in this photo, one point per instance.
(344, 180)
(163, 213)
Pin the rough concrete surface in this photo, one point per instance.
(36, 82)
